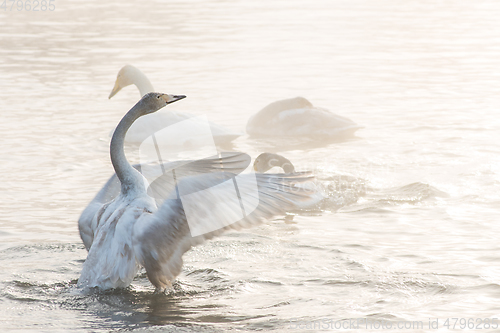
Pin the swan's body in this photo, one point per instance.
(131, 230)
(297, 117)
(267, 161)
(145, 126)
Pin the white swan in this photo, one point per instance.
(267, 161)
(234, 162)
(132, 231)
(145, 126)
(297, 117)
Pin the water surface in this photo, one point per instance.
(409, 230)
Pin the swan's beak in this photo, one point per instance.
(172, 98)
(116, 89)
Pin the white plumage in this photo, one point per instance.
(297, 117)
(133, 229)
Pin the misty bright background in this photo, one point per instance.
(409, 230)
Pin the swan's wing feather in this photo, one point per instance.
(108, 192)
(171, 173)
(161, 239)
(162, 187)
(234, 162)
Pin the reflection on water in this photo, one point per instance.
(408, 230)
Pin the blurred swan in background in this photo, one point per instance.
(297, 117)
(131, 230)
(145, 126)
(267, 161)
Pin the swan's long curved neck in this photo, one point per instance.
(142, 83)
(130, 178)
(283, 163)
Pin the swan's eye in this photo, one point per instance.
(158, 97)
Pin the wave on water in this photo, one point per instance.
(349, 193)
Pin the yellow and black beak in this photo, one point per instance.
(172, 98)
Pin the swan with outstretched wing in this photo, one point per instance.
(131, 230)
(160, 187)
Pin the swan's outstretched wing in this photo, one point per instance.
(161, 239)
(170, 174)
(229, 161)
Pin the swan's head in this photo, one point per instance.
(266, 161)
(124, 78)
(152, 102)
(299, 102)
